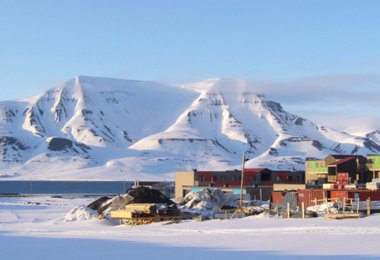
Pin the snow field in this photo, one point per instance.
(37, 225)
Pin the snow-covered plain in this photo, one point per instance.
(34, 228)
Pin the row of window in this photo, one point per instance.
(225, 178)
(315, 164)
(264, 177)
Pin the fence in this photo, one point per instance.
(341, 205)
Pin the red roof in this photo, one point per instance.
(254, 169)
(341, 156)
(342, 161)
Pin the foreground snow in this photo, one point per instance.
(34, 228)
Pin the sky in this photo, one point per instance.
(318, 58)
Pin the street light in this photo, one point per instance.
(242, 181)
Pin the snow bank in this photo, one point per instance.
(254, 237)
(208, 201)
(80, 212)
(321, 209)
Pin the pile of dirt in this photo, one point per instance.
(147, 195)
(104, 205)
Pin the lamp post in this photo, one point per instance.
(242, 182)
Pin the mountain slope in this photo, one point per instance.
(99, 128)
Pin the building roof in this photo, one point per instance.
(342, 160)
(255, 169)
(313, 159)
(341, 156)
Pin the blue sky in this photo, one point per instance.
(275, 43)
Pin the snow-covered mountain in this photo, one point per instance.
(100, 128)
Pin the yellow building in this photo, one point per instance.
(315, 171)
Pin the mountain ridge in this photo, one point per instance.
(103, 128)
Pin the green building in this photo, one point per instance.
(359, 168)
(374, 165)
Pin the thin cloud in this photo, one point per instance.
(347, 102)
(338, 85)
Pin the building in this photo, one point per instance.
(289, 177)
(224, 179)
(325, 171)
(373, 165)
(315, 171)
(231, 180)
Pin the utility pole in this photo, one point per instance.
(242, 181)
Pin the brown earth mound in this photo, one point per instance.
(137, 195)
(147, 195)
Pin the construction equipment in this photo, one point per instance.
(136, 214)
(141, 213)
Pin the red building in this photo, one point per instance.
(253, 178)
